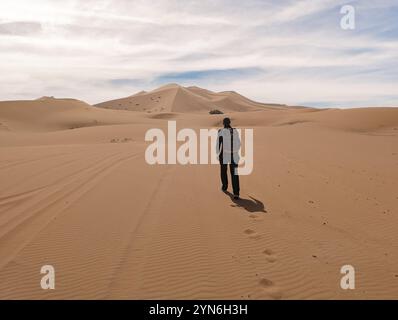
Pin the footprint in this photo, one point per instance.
(270, 255)
(270, 289)
(255, 217)
(271, 259)
(275, 293)
(266, 283)
(252, 234)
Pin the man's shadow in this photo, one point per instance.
(252, 205)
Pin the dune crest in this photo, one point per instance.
(175, 98)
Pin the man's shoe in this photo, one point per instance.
(236, 197)
(224, 189)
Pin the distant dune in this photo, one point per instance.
(190, 105)
(51, 114)
(76, 193)
(175, 98)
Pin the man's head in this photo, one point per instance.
(226, 122)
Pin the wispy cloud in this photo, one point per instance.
(21, 28)
(207, 75)
(282, 51)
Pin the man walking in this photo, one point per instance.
(228, 145)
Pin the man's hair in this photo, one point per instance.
(226, 122)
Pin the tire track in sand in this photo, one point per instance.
(127, 246)
(14, 239)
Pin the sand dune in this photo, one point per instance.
(359, 120)
(175, 98)
(50, 114)
(76, 193)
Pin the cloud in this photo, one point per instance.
(126, 82)
(285, 51)
(203, 75)
(20, 28)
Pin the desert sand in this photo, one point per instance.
(76, 193)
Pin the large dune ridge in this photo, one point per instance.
(76, 193)
(176, 98)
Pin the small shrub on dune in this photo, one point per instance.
(215, 111)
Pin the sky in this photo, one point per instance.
(292, 52)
